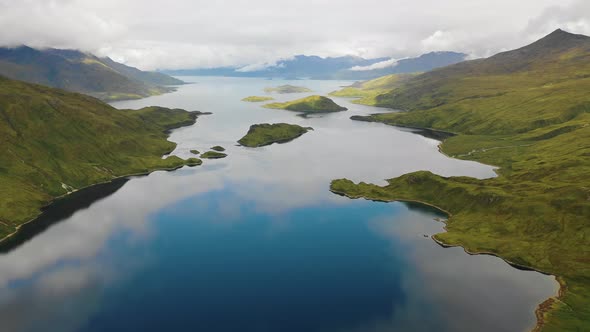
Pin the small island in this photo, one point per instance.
(287, 89)
(311, 104)
(195, 151)
(218, 148)
(267, 134)
(257, 99)
(213, 155)
(192, 162)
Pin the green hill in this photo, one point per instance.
(81, 72)
(527, 111)
(267, 134)
(311, 104)
(54, 142)
(368, 90)
(520, 90)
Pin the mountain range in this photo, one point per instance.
(345, 67)
(81, 72)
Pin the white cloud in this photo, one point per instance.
(379, 65)
(439, 41)
(198, 33)
(257, 67)
(572, 18)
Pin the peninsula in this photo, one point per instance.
(56, 142)
(528, 112)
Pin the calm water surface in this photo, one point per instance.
(256, 242)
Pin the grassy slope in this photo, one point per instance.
(527, 111)
(266, 134)
(256, 99)
(368, 90)
(311, 104)
(50, 137)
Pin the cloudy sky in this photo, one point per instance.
(176, 34)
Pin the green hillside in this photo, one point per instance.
(311, 104)
(81, 72)
(368, 90)
(527, 111)
(54, 142)
(521, 90)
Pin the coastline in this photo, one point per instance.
(543, 307)
(439, 135)
(114, 97)
(281, 141)
(192, 121)
(66, 195)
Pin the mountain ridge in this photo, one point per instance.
(537, 65)
(315, 67)
(81, 72)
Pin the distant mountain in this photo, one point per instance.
(77, 71)
(346, 67)
(151, 77)
(423, 63)
(301, 66)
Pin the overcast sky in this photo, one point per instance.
(176, 34)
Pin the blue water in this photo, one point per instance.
(257, 242)
(324, 270)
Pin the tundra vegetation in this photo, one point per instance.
(55, 142)
(528, 112)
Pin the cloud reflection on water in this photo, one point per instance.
(67, 260)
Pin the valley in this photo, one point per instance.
(262, 166)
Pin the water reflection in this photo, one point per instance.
(60, 210)
(258, 238)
